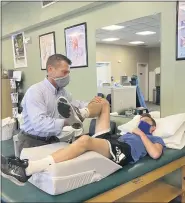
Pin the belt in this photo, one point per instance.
(48, 139)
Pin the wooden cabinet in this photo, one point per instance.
(6, 107)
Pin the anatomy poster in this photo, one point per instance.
(181, 31)
(14, 98)
(19, 50)
(76, 45)
(15, 112)
(47, 47)
(12, 84)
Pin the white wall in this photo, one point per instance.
(129, 57)
(172, 71)
(33, 13)
(24, 15)
(154, 58)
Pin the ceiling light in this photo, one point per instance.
(136, 42)
(146, 33)
(113, 27)
(110, 39)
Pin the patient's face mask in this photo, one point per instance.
(62, 81)
(145, 127)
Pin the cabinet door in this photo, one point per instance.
(6, 99)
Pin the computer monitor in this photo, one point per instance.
(123, 98)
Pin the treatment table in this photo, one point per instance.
(141, 180)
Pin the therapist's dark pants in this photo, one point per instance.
(27, 141)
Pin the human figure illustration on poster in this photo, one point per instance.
(76, 47)
(47, 48)
(19, 50)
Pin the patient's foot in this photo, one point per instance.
(71, 113)
(14, 170)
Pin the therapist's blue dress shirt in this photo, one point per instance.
(40, 115)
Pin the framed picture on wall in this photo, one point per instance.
(47, 3)
(180, 31)
(76, 45)
(47, 47)
(19, 50)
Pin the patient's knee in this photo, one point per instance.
(84, 141)
(105, 106)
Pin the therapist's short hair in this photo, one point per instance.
(149, 116)
(53, 59)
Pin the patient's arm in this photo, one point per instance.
(154, 149)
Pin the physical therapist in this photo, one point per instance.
(41, 122)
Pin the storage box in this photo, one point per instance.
(7, 128)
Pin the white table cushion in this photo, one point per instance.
(68, 175)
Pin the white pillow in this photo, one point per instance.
(166, 127)
(128, 127)
(169, 125)
(177, 141)
(155, 114)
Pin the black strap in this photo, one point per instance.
(49, 139)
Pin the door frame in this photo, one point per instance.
(103, 62)
(146, 79)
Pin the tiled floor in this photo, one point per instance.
(176, 200)
(152, 107)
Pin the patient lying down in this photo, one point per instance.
(122, 149)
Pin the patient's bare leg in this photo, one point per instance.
(103, 120)
(80, 146)
(25, 168)
(86, 143)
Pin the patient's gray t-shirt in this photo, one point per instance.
(138, 149)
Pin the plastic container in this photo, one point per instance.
(7, 128)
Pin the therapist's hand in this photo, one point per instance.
(97, 99)
(66, 123)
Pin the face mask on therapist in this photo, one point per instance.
(62, 81)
